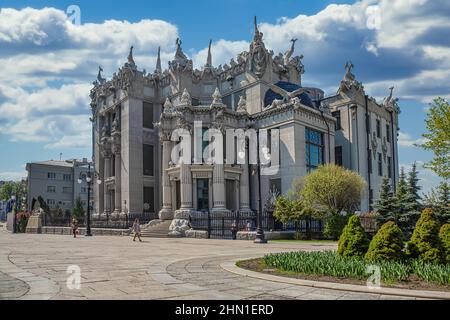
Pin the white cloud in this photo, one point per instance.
(12, 175)
(405, 140)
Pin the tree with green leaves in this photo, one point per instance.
(12, 188)
(78, 209)
(332, 191)
(438, 137)
(385, 206)
(353, 240)
(439, 200)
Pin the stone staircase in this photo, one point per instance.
(156, 229)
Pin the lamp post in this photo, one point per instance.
(259, 238)
(88, 179)
(14, 210)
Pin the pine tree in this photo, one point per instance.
(78, 210)
(385, 206)
(443, 204)
(400, 194)
(411, 204)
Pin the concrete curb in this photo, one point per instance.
(230, 266)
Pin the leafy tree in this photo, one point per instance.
(331, 189)
(444, 235)
(439, 200)
(385, 206)
(387, 244)
(78, 210)
(334, 225)
(438, 137)
(292, 210)
(12, 188)
(353, 240)
(425, 243)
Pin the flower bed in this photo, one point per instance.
(328, 263)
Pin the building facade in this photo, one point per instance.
(142, 122)
(57, 183)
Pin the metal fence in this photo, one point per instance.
(104, 221)
(219, 226)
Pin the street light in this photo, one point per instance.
(88, 178)
(259, 238)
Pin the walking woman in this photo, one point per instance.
(137, 230)
(74, 227)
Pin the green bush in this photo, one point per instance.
(387, 244)
(444, 235)
(425, 243)
(334, 226)
(353, 240)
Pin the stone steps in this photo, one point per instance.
(157, 229)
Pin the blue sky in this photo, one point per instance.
(49, 64)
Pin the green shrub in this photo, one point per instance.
(444, 235)
(387, 244)
(334, 226)
(425, 243)
(353, 240)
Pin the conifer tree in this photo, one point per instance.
(411, 203)
(385, 206)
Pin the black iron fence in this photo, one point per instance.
(103, 221)
(220, 225)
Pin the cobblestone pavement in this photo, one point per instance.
(35, 267)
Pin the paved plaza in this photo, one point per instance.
(35, 267)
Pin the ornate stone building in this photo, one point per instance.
(135, 115)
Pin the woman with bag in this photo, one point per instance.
(137, 230)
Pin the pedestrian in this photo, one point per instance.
(137, 230)
(249, 225)
(234, 229)
(74, 227)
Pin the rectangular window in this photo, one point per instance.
(380, 164)
(314, 149)
(51, 189)
(149, 199)
(230, 194)
(83, 189)
(337, 115)
(147, 115)
(148, 160)
(51, 175)
(67, 177)
(67, 190)
(338, 155)
(226, 100)
(378, 128)
(202, 194)
(388, 133)
(51, 202)
(389, 160)
(369, 161)
(275, 185)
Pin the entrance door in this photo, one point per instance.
(202, 194)
(230, 195)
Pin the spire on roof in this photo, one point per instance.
(158, 61)
(209, 59)
(130, 57)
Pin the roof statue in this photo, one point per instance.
(258, 53)
(217, 97)
(100, 79)
(179, 54)
(390, 102)
(290, 52)
(130, 58)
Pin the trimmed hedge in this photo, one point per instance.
(353, 240)
(444, 235)
(387, 244)
(425, 243)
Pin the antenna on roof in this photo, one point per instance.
(60, 156)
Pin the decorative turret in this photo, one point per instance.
(186, 98)
(258, 53)
(158, 62)
(242, 105)
(209, 59)
(217, 97)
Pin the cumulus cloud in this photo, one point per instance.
(405, 140)
(48, 65)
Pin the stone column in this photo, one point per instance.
(219, 188)
(107, 172)
(186, 186)
(166, 212)
(244, 192)
(117, 192)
